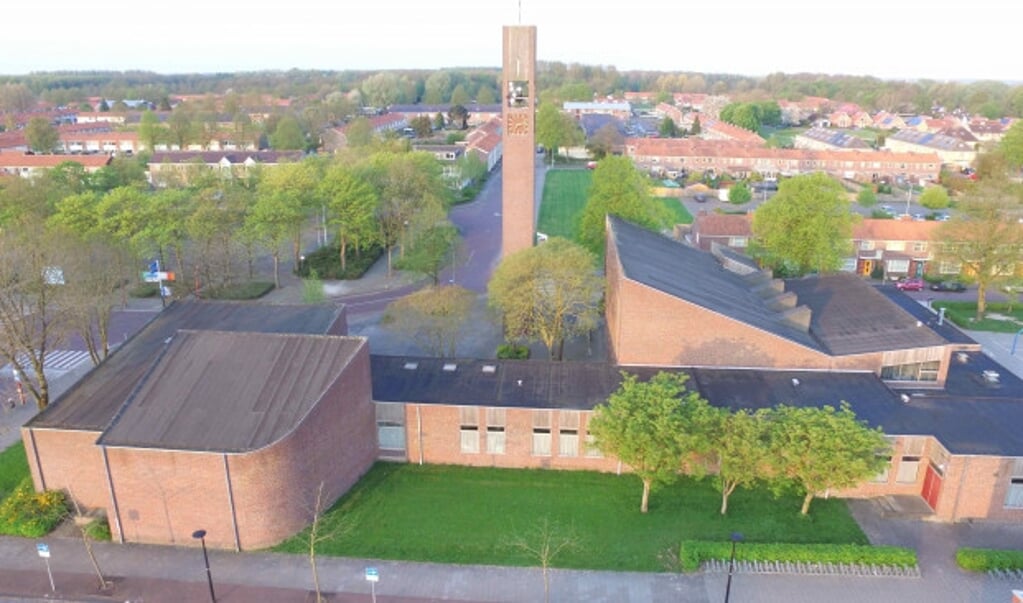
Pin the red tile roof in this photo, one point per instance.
(18, 160)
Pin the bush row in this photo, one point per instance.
(326, 261)
(983, 560)
(239, 291)
(26, 513)
(695, 552)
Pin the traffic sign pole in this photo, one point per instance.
(44, 552)
(372, 576)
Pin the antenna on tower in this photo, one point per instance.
(520, 12)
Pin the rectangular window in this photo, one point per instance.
(898, 266)
(568, 433)
(495, 430)
(390, 426)
(896, 246)
(882, 478)
(1014, 496)
(541, 433)
(920, 246)
(909, 467)
(866, 245)
(946, 267)
(918, 371)
(469, 429)
(737, 242)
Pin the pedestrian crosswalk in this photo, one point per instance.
(56, 360)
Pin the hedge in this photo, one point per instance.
(239, 291)
(695, 552)
(984, 560)
(27, 513)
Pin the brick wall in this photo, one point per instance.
(67, 460)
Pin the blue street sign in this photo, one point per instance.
(154, 266)
(372, 575)
(43, 549)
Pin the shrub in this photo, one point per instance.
(249, 290)
(866, 197)
(144, 290)
(326, 261)
(739, 193)
(934, 197)
(512, 351)
(26, 513)
(98, 529)
(694, 552)
(880, 214)
(984, 560)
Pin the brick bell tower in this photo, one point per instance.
(518, 190)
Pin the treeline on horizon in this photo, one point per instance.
(557, 81)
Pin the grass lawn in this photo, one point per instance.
(13, 468)
(964, 315)
(564, 196)
(451, 514)
(679, 213)
(784, 136)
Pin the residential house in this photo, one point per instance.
(951, 151)
(100, 142)
(165, 166)
(621, 110)
(711, 229)
(335, 139)
(894, 248)
(447, 156)
(988, 130)
(824, 139)
(28, 166)
(862, 119)
(840, 119)
(714, 129)
(487, 141)
(888, 121)
(478, 114)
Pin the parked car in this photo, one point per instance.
(700, 198)
(942, 217)
(955, 286)
(910, 284)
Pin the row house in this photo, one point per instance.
(100, 142)
(988, 130)
(950, 151)
(103, 117)
(725, 157)
(621, 110)
(335, 139)
(447, 155)
(640, 97)
(487, 142)
(665, 110)
(179, 166)
(884, 120)
(823, 139)
(896, 248)
(27, 166)
(478, 114)
(714, 129)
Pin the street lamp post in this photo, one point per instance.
(200, 535)
(736, 538)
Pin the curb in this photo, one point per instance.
(845, 570)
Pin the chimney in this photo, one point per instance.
(769, 289)
(798, 317)
(785, 301)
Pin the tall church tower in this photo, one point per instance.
(518, 203)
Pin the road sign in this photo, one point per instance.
(44, 550)
(372, 575)
(156, 277)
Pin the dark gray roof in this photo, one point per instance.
(696, 277)
(235, 157)
(964, 425)
(92, 402)
(230, 392)
(851, 317)
(836, 138)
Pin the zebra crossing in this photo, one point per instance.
(56, 360)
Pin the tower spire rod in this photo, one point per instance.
(520, 12)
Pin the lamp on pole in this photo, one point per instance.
(736, 538)
(200, 535)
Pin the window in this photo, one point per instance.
(898, 266)
(737, 242)
(591, 447)
(920, 246)
(866, 245)
(1014, 497)
(918, 371)
(469, 429)
(495, 430)
(390, 426)
(541, 433)
(896, 246)
(946, 267)
(909, 466)
(568, 433)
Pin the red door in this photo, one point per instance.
(932, 486)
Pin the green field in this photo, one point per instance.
(564, 196)
(678, 212)
(13, 468)
(450, 514)
(964, 314)
(783, 136)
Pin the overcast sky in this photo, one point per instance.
(904, 39)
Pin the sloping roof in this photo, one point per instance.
(13, 160)
(713, 224)
(235, 157)
(92, 402)
(835, 138)
(696, 277)
(852, 317)
(931, 140)
(230, 392)
(875, 229)
(692, 147)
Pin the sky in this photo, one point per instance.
(891, 39)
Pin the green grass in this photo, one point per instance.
(678, 212)
(983, 560)
(964, 315)
(450, 514)
(239, 291)
(13, 468)
(564, 197)
(784, 136)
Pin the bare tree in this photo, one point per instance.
(544, 543)
(318, 534)
(87, 541)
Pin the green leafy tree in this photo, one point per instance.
(352, 203)
(935, 197)
(739, 193)
(866, 197)
(434, 317)
(744, 115)
(359, 132)
(459, 116)
(41, 136)
(438, 121)
(459, 96)
(486, 95)
(985, 238)
(655, 427)
(180, 126)
(1011, 145)
(150, 130)
(740, 446)
(618, 189)
(279, 211)
(422, 125)
(431, 249)
(554, 129)
(695, 129)
(547, 293)
(604, 141)
(822, 449)
(438, 85)
(805, 227)
(288, 135)
(668, 128)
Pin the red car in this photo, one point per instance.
(910, 284)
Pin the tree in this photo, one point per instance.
(1011, 145)
(668, 128)
(150, 130)
(544, 544)
(288, 135)
(821, 449)
(459, 115)
(935, 197)
(655, 427)
(438, 121)
(547, 293)
(279, 211)
(352, 203)
(16, 98)
(740, 449)
(985, 238)
(867, 198)
(459, 97)
(359, 132)
(618, 189)
(805, 227)
(41, 136)
(554, 129)
(430, 250)
(486, 95)
(434, 317)
(605, 140)
(695, 129)
(437, 86)
(422, 125)
(180, 126)
(739, 193)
